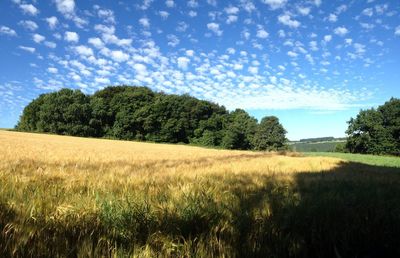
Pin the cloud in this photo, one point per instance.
(173, 40)
(4, 30)
(67, 9)
(327, 38)
(29, 9)
(145, 22)
(84, 50)
(275, 4)
(29, 25)
(214, 27)
(106, 15)
(292, 54)
(368, 12)
(170, 3)
(163, 14)
(285, 19)
(261, 33)
(28, 49)
(183, 62)
(341, 31)
(397, 31)
(38, 38)
(52, 70)
(50, 44)
(71, 36)
(304, 10)
(52, 22)
(231, 10)
(96, 42)
(332, 17)
(119, 56)
(102, 80)
(231, 19)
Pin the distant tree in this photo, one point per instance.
(376, 131)
(63, 112)
(269, 135)
(138, 113)
(240, 131)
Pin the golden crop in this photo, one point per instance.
(105, 197)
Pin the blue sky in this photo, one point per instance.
(312, 63)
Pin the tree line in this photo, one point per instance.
(138, 113)
(375, 131)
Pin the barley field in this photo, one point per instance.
(78, 197)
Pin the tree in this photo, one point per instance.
(376, 131)
(270, 134)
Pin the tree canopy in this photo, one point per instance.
(138, 113)
(376, 131)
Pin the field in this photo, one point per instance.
(328, 146)
(77, 197)
(385, 161)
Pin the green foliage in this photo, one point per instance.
(376, 131)
(138, 113)
(270, 134)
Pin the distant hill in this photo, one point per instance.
(322, 139)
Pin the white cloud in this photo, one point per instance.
(261, 33)
(29, 9)
(304, 10)
(96, 42)
(332, 17)
(275, 4)
(38, 38)
(170, 3)
(65, 7)
(145, 22)
(173, 40)
(292, 54)
(183, 62)
(317, 2)
(313, 46)
(52, 70)
(106, 15)
(28, 49)
(192, 13)
(327, 38)
(360, 48)
(102, 80)
(231, 10)
(253, 70)
(50, 44)
(397, 31)
(214, 27)
(119, 56)
(84, 50)
(231, 19)
(71, 36)
(4, 30)
(341, 31)
(29, 25)
(287, 20)
(163, 14)
(368, 12)
(189, 52)
(52, 22)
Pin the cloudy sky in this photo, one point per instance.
(312, 63)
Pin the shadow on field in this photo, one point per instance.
(350, 211)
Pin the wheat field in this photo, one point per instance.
(65, 196)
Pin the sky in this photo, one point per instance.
(312, 63)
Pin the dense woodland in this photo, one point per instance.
(376, 131)
(138, 113)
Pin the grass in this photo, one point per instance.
(64, 196)
(385, 161)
